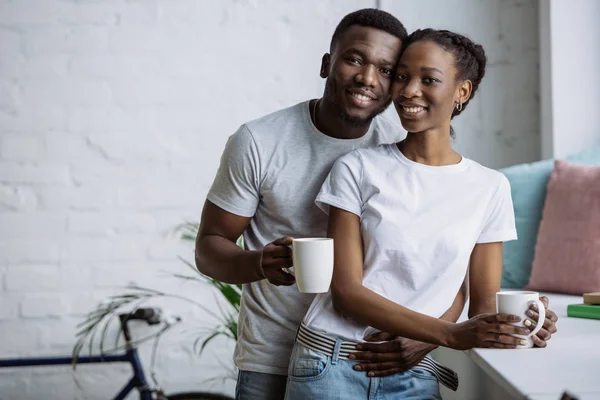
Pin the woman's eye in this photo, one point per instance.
(430, 80)
(401, 77)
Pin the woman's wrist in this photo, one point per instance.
(447, 333)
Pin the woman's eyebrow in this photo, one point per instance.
(425, 69)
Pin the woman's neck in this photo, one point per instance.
(431, 147)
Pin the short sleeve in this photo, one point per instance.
(236, 187)
(341, 188)
(500, 221)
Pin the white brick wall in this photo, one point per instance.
(113, 115)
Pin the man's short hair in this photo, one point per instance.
(372, 18)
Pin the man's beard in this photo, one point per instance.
(354, 122)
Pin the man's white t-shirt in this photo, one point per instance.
(271, 170)
(419, 225)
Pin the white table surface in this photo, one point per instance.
(571, 361)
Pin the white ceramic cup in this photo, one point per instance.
(313, 264)
(517, 303)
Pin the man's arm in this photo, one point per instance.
(218, 255)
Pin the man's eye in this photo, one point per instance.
(353, 60)
(386, 71)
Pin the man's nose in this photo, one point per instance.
(367, 75)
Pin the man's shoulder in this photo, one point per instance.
(276, 120)
(387, 130)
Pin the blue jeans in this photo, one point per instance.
(313, 375)
(260, 386)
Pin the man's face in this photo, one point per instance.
(359, 74)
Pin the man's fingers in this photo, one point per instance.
(280, 277)
(379, 370)
(381, 366)
(545, 300)
(386, 347)
(379, 337)
(280, 252)
(277, 263)
(371, 356)
(284, 241)
(388, 372)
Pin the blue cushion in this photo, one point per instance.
(528, 187)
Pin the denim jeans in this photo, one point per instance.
(313, 375)
(260, 386)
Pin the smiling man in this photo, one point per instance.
(265, 188)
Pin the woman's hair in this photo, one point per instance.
(470, 59)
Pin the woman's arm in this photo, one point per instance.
(352, 299)
(485, 274)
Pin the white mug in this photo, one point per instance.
(313, 264)
(517, 303)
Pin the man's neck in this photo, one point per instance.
(327, 121)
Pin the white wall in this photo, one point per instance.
(501, 125)
(113, 115)
(570, 45)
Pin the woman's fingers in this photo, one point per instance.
(508, 329)
(501, 318)
(549, 324)
(496, 345)
(504, 339)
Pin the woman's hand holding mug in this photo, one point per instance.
(488, 330)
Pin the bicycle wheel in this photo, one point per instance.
(198, 396)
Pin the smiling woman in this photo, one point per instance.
(437, 76)
(407, 220)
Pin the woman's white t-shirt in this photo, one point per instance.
(419, 225)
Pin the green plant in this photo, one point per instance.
(95, 326)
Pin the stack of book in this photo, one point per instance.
(589, 309)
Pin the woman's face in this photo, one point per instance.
(425, 90)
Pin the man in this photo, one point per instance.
(270, 173)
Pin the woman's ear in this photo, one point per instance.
(325, 63)
(464, 91)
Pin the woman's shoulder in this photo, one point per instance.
(491, 176)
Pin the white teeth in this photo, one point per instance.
(413, 110)
(361, 97)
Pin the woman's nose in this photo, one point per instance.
(411, 88)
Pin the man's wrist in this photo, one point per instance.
(258, 259)
(252, 259)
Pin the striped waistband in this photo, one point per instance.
(324, 344)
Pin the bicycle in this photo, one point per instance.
(151, 316)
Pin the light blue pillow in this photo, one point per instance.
(528, 187)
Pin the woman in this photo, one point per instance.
(408, 220)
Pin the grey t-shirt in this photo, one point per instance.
(271, 170)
